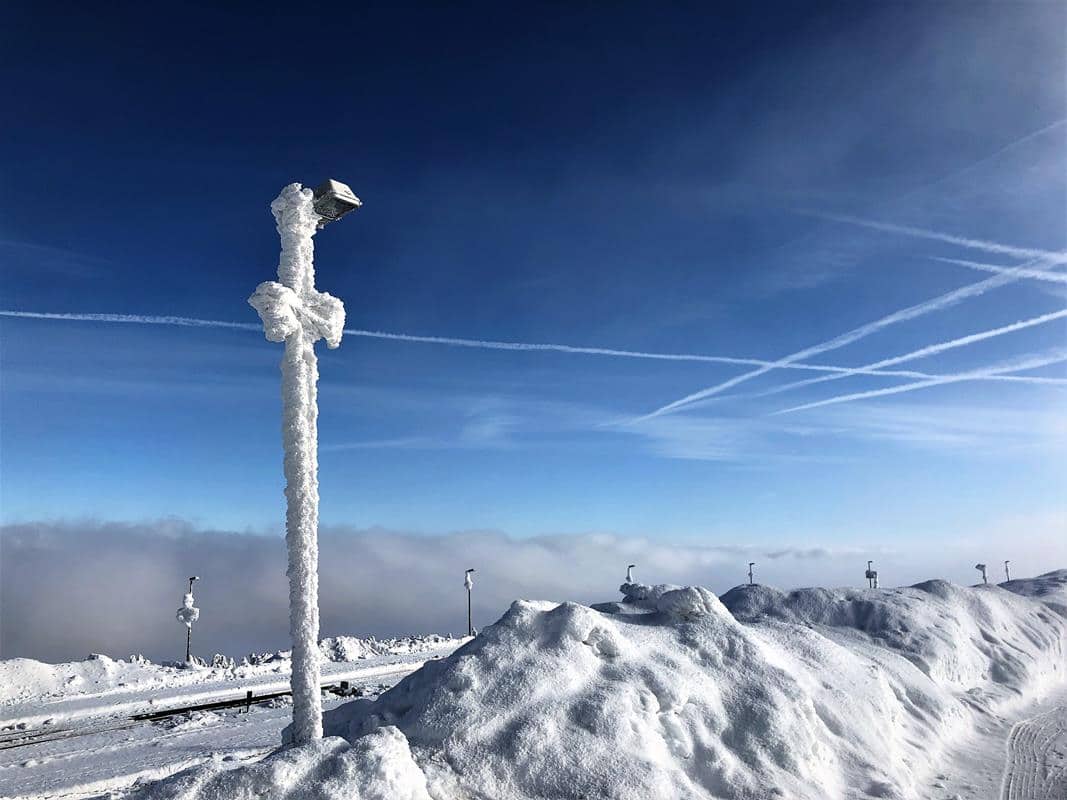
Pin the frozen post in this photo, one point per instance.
(294, 312)
(187, 615)
(468, 582)
(630, 572)
(1007, 573)
(872, 576)
(981, 568)
(751, 564)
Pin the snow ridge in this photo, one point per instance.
(673, 692)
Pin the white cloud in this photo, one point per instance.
(68, 589)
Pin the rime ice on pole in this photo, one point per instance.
(188, 613)
(293, 311)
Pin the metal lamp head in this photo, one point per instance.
(332, 200)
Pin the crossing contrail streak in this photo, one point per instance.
(483, 344)
(1036, 274)
(1028, 362)
(1052, 256)
(934, 349)
(911, 312)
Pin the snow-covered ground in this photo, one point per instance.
(66, 729)
(931, 692)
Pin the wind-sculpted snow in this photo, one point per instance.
(958, 636)
(673, 693)
(376, 767)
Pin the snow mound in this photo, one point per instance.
(376, 767)
(1050, 588)
(958, 636)
(23, 678)
(352, 648)
(673, 692)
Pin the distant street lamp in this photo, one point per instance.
(751, 564)
(872, 576)
(1007, 573)
(187, 615)
(468, 582)
(295, 312)
(981, 568)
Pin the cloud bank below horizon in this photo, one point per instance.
(69, 588)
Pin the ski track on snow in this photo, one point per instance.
(1036, 767)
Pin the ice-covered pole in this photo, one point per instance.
(187, 615)
(468, 583)
(293, 311)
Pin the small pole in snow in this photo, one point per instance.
(630, 573)
(469, 583)
(751, 564)
(1007, 573)
(981, 568)
(187, 615)
(872, 576)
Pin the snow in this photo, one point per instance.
(375, 767)
(932, 692)
(674, 692)
(75, 738)
(188, 613)
(293, 311)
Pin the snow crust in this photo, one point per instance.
(674, 692)
(375, 767)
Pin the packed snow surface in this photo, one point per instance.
(675, 692)
(24, 681)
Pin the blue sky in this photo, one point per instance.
(637, 179)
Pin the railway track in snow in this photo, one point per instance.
(10, 740)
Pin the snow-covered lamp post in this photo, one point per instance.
(468, 582)
(1007, 572)
(294, 312)
(187, 615)
(630, 573)
(751, 564)
(872, 576)
(981, 568)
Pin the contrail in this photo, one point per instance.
(985, 160)
(1052, 256)
(484, 344)
(1036, 274)
(934, 349)
(136, 319)
(911, 312)
(1028, 362)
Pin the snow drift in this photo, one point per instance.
(675, 693)
(23, 679)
